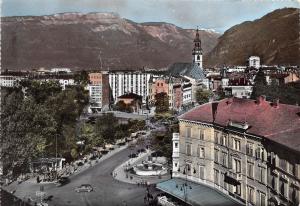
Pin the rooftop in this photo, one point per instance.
(275, 121)
(186, 69)
(195, 194)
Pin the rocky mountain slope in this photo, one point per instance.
(274, 37)
(95, 40)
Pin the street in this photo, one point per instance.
(107, 191)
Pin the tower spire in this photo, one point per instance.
(197, 51)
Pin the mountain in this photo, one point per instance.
(274, 37)
(83, 41)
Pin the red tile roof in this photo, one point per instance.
(279, 123)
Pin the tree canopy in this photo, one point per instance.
(203, 96)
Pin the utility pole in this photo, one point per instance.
(56, 157)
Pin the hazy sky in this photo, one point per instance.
(215, 14)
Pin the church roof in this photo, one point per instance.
(186, 69)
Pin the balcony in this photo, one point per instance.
(234, 175)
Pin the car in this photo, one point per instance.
(62, 181)
(132, 155)
(84, 188)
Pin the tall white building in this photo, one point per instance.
(254, 61)
(129, 82)
(7, 81)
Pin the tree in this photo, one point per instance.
(260, 85)
(82, 78)
(39, 90)
(161, 102)
(203, 96)
(286, 93)
(26, 127)
(106, 127)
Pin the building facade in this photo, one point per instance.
(99, 91)
(246, 149)
(254, 61)
(129, 82)
(8, 81)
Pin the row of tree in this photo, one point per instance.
(107, 130)
(38, 119)
(287, 93)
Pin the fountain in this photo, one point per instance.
(149, 168)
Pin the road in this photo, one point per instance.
(107, 191)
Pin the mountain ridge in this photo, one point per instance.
(79, 40)
(274, 37)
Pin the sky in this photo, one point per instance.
(218, 15)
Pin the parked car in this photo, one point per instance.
(84, 188)
(132, 155)
(62, 181)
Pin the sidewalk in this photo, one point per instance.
(120, 174)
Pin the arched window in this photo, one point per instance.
(198, 57)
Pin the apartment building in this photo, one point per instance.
(129, 82)
(247, 149)
(8, 80)
(99, 91)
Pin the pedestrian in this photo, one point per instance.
(38, 179)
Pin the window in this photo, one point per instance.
(236, 165)
(198, 57)
(176, 144)
(283, 164)
(202, 152)
(216, 137)
(250, 170)
(259, 153)
(236, 144)
(291, 168)
(293, 194)
(216, 175)
(250, 192)
(188, 132)
(274, 183)
(262, 175)
(224, 159)
(224, 140)
(201, 134)
(282, 188)
(216, 155)
(201, 172)
(262, 199)
(249, 149)
(237, 189)
(189, 149)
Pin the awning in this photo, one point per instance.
(195, 193)
(231, 180)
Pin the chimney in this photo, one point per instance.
(261, 99)
(276, 103)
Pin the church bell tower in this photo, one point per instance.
(197, 51)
